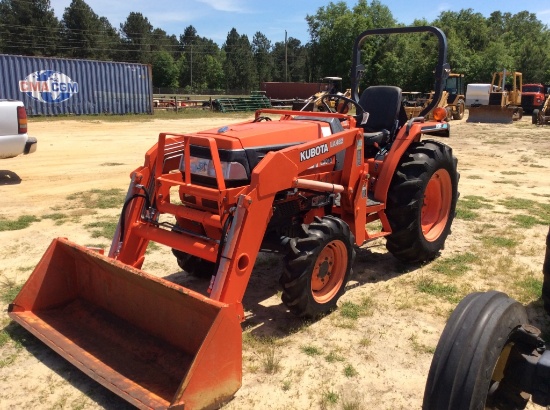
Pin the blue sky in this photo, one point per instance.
(215, 18)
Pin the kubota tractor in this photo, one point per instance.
(305, 184)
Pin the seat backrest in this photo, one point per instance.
(383, 103)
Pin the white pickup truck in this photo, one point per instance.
(14, 139)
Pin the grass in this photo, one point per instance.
(311, 350)
(351, 401)
(365, 342)
(537, 213)
(266, 349)
(58, 217)
(102, 229)
(438, 290)
(270, 360)
(99, 198)
(24, 221)
(333, 357)
(9, 289)
(525, 221)
(350, 371)
(353, 311)
(420, 347)
(466, 207)
(498, 242)
(329, 399)
(158, 115)
(456, 265)
(506, 182)
(530, 289)
(111, 164)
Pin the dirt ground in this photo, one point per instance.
(378, 360)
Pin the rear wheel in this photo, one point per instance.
(421, 201)
(535, 117)
(458, 114)
(318, 267)
(467, 370)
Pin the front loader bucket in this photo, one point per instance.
(154, 343)
(491, 114)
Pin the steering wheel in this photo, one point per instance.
(341, 103)
(262, 118)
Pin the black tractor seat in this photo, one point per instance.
(386, 115)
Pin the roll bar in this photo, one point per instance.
(442, 69)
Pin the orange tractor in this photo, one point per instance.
(305, 184)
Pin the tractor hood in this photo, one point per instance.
(248, 143)
(252, 135)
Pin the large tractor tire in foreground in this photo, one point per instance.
(421, 201)
(317, 267)
(546, 276)
(469, 361)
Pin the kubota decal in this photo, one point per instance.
(48, 86)
(313, 152)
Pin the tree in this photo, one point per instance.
(239, 68)
(28, 27)
(161, 41)
(136, 38)
(85, 34)
(202, 55)
(165, 69)
(261, 47)
(333, 30)
(296, 58)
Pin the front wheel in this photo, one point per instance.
(317, 267)
(458, 114)
(421, 201)
(194, 265)
(468, 367)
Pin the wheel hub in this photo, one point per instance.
(329, 271)
(437, 204)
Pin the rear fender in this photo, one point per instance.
(408, 134)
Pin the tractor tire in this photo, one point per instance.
(458, 114)
(194, 265)
(535, 117)
(317, 267)
(546, 276)
(422, 201)
(464, 367)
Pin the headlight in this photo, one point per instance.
(205, 167)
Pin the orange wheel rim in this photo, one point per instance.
(437, 205)
(329, 271)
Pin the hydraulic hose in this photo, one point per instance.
(123, 213)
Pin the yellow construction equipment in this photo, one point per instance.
(542, 116)
(452, 99)
(504, 104)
